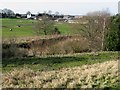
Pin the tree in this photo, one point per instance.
(7, 12)
(113, 35)
(44, 26)
(95, 28)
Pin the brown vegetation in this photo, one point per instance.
(49, 46)
(100, 75)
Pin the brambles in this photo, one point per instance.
(100, 75)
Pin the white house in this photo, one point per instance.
(29, 14)
(66, 17)
(78, 16)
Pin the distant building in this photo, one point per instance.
(68, 17)
(28, 14)
(23, 16)
(18, 15)
(31, 16)
(78, 16)
(41, 15)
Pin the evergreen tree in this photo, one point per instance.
(113, 35)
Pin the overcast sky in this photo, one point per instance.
(73, 7)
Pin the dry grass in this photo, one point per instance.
(87, 76)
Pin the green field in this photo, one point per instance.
(27, 28)
(52, 63)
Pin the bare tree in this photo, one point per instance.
(44, 26)
(95, 28)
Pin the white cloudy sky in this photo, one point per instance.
(74, 7)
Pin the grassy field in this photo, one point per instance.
(76, 71)
(57, 62)
(27, 28)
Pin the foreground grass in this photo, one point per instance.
(47, 63)
(100, 75)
